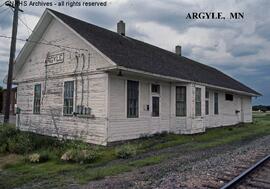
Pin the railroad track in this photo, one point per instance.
(257, 176)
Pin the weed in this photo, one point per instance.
(125, 151)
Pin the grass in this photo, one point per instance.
(17, 172)
(63, 173)
(99, 173)
(148, 161)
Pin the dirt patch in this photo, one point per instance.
(8, 159)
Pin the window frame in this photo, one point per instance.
(34, 104)
(198, 101)
(181, 101)
(73, 98)
(216, 103)
(138, 100)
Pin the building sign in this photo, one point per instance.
(56, 58)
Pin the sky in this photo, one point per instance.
(239, 48)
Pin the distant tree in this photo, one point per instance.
(261, 108)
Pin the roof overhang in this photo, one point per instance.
(174, 79)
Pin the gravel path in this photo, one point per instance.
(197, 169)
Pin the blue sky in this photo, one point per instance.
(240, 48)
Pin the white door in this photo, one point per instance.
(155, 113)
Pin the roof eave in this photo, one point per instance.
(177, 79)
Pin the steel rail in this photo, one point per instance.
(244, 174)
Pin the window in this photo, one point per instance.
(37, 98)
(155, 106)
(198, 111)
(181, 101)
(155, 88)
(68, 97)
(206, 102)
(229, 97)
(216, 103)
(132, 99)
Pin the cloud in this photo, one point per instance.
(240, 48)
(263, 30)
(244, 50)
(5, 19)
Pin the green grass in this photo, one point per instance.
(148, 161)
(63, 173)
(83, 176)
(58, 174)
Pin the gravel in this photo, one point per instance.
(197, 169)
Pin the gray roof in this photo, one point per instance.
(135, 54)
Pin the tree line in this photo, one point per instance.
(262, 108)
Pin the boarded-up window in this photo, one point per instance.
(132, 99)
(216, 103)
(68, 97)
(198, 110)
(206, 102)
(155, 106)
(37, 98)
(181, 101)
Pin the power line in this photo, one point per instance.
(25, 25)
(46, 42)
(33, 33)
(23, 22)
(42, 43)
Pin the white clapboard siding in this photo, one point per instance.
(91, 88)
(58, 34)
(51, 117)
(122, 128)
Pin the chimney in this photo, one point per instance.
(121, 27)
(178, 50)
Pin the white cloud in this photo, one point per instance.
(241, 47)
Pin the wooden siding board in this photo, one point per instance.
(52, 78)
(122, 128)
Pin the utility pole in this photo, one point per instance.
(11, 57)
